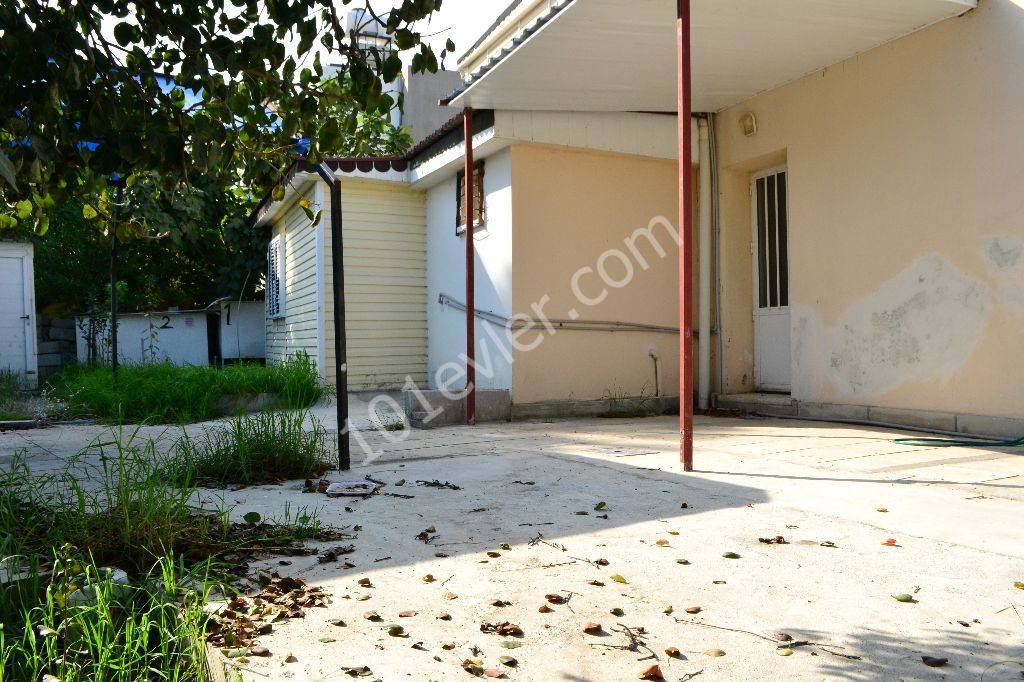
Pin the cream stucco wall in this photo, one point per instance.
(906, 168)
(570, 207)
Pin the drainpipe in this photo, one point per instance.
(704, 295)
(653, 353)
(467, 131)
(684, 111)
(340, 340)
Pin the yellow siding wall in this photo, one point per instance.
(297, 331)
(385, 284)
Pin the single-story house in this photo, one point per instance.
(860, 242)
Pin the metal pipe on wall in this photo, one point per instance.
(467, 131)
(704, 270)
(684, 111)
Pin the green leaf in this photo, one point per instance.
(24, 208)
(88, 212)
(252, 517)
(7, 222)
(8, 171)
(599, 506)
(124, 34)
(730, 555)
(278, 193)
(905, 598)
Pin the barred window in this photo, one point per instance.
(479, 209)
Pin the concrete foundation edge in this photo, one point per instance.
(971, 424)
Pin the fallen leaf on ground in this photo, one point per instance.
(890, 542)
(1019, 585)
(493, 672)
(493, 555)
(511, 644)
(673, 532)
(905, 598)
(365, 582)
(595, 583)
(964, 623)
(505, 546)
(544, 608)
(784, 651)
(327, 640)
(730, 555)
(406, 614)
(599, 506)
(444, 616)
(715, 652)
(828, 543)
(418, 646)
(447, 646)
(499, 602)
(881, 509)
(592, 628)
(683, 562)
(428, 578)
(618, 578)
(396, 630)
(289, 657)
(336, 622)
(672, 652)
(667, 610)
(371, 615)
(662, 543)
(783, 637)
(361, 671)
(505, 629)
(693, 609)
(934, 662)
(450, 595)
(555, 598)
(508, 660)
(652, 673)
(617, 612)
(604, 562)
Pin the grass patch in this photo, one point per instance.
(64, 616)
(267, 447)
(167, 394)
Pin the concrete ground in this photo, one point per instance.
(954, 513)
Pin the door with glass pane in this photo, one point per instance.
(772, 361)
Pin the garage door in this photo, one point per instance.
(17, 337)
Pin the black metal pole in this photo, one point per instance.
(340, 340)
(113, 276)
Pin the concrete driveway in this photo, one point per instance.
(953, 512)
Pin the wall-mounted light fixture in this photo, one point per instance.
(748, 122)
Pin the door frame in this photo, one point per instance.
(25, 252)
(755, 251)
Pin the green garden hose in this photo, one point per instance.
(954, 443)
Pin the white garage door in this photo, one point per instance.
(17, 319)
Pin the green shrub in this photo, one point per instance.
(263, 448)
(168, 394)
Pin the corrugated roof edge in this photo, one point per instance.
(365, 164)
(506, 51)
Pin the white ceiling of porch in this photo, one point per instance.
(611, 55)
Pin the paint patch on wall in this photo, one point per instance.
(922, 324)
(1004, 254)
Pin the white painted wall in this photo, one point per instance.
(18, 312)
(446, 273)
(176, 337)
(243, 330)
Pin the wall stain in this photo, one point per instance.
(1004, 255)
(921, 324)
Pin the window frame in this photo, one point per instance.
(480, 212)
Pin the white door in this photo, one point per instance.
(17, 312)
(772, 361)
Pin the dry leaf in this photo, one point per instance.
(428, 578)
(450, 595)
(493, 672)
(730, 555)
(493, 555)
(667, 610)
(447, 646)
(406, 614)
(662, 543)
(444, 616)
(595, 583)
(365, 582)
(890, 542)
(934, 662)
(508, 660)
(693, 609)
(336, 622)
(544, 608)
(881, 509)
(555, 598)
(617, 612)
(499, 602)
(672, 652)
(652, 673)
(784, 651)
(715, 652)
(372, 615)
(783, 637)
(592, 628)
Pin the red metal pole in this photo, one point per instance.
(467, 128)
(686, 247)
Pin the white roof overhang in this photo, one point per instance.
(609, 55)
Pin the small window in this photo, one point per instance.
(479, 209)
(275, 278)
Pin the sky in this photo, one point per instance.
(461, 20)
